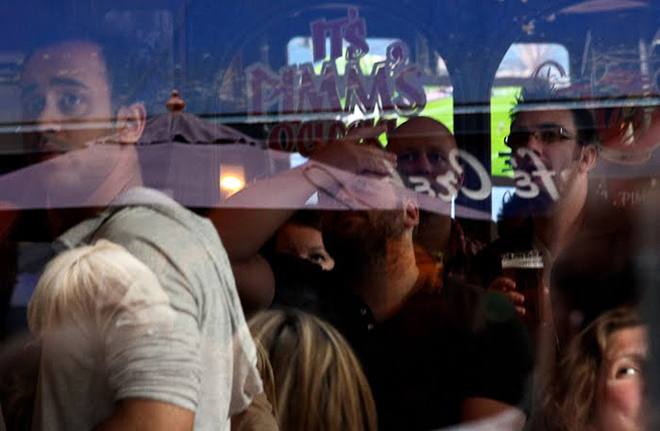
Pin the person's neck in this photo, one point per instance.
(557, 231)
(124, 173)
(434, 234)
(388, 281)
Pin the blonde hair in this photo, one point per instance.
(78, 281)
(311, 375)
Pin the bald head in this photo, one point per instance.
(422, 146)
(420, 129)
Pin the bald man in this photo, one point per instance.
(423, 147)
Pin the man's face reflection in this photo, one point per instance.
(423, 147)
(66, 95)
(66, 98)
(551, 137)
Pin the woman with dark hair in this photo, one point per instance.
(598, 385)
(301, 236)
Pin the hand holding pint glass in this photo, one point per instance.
(522, 279)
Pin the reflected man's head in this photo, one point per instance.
(67, 92)
(71, 101)
(555, 145)
(423, 147)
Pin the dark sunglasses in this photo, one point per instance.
(546, 134)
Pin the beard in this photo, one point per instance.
(357, 240)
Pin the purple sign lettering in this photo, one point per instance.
(352, 29)
(393, 85)
(265, 89)
(297, 89)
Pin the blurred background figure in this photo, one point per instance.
(599, 384)
(311, 376)
(301, 236)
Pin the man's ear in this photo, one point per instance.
(130, 124)
(588, 158)
(410, 213)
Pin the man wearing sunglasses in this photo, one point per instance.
(548, 147)
(553, 149)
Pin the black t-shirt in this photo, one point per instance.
(437, 350)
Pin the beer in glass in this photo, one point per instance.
(526, 269)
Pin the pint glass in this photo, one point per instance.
(526, 269)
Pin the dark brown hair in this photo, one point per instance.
(540, 93)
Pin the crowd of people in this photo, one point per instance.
(377, 314)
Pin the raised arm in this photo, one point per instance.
(252, 216)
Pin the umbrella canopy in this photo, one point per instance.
(186, 156)
(186, 128)
(180, 127)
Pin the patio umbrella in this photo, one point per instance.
(188, 157)
(181, 127)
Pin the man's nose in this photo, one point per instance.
(50, 118)
(534, 143)
(423, 165)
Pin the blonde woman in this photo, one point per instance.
(310, 374)
(101, 315)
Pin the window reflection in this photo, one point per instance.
(463, 197)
